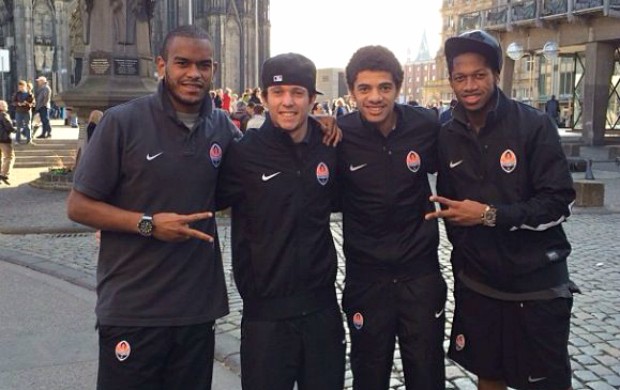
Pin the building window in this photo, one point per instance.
(567, 81)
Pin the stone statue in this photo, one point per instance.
(77, 31)
(49, 58)
(119, 20)
(87, 8)
(39, 57)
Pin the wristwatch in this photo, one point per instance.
(489, 216)
(145, 226)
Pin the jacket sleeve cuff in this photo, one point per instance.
(507, 217)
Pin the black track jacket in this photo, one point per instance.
(281, 195)
(516, 164)
(385, 191)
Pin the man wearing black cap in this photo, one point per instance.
(504, 189)
(280, 182)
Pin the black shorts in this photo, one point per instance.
(309, 350)
(153, 358)
(413, 310)
(524, 344)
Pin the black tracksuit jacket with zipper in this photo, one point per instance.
(385, 195)
(282, 194)
(516, 164)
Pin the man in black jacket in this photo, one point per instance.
(280, 182)
(505, 189)
(394, 286)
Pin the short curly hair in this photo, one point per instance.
(375, 58)
(193, 32)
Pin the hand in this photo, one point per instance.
(332, 135)
(172, 227)
(461, 213)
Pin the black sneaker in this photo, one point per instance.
(5, 179)
(41, 136)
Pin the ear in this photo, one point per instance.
(312, 100)
(161, 66)
(352, 95)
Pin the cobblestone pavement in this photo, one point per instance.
(595, 267)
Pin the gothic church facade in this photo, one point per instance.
(47, 37)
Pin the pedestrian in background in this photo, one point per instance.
(240, 116)
(281, 183)
(340, 108)
(394, 288)
(258, 117)
(23, 101)
(93, 121)
(7, 155)
(43, 96)
(505, 189)
(552, 108)
(446, 115)
(147, 180)
(317, 109)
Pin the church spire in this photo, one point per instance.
(423, 53)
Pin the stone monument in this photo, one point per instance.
(118, 60)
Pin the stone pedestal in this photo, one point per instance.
(118, 61)
(590, 193)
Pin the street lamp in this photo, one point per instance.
(551, 50)
(515, 51)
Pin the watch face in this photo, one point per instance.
(490, 216)
(145, 226)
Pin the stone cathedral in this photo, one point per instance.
(50, 38)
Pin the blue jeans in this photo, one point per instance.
(45, 121)
(23, 125)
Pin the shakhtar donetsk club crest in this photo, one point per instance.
(215, 153)
(413, 161)
(358, 320)
(322, 173)
(122, 350)
(508, 161)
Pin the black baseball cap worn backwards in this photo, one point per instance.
(289, 69)
(475, 41)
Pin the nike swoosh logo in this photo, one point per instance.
(354, 168)
(534, 380)
(269, 177)
(153, 157)
(455, 164)
(439, 313)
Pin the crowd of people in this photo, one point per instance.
(248, 111)
(503, 191)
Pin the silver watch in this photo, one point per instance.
(489, 216)
(145, 226)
